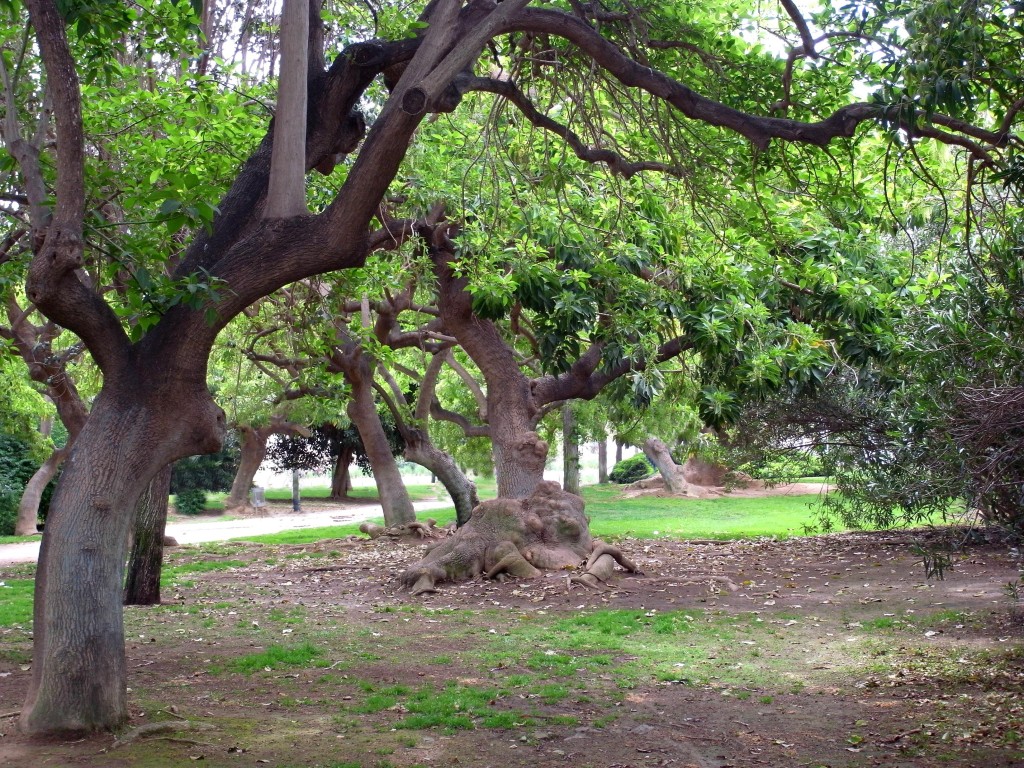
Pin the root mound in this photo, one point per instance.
(517, 537)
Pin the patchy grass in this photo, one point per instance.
(301, 655)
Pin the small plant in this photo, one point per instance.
(632, 469)
(935, 561)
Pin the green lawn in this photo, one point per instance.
(612, 516)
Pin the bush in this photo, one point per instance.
(191, 501)
(208, 472)
(632, 469)
(16, 468)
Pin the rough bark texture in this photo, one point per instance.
(546, 530)
(142, 583)
(78, 670)
(28, 508)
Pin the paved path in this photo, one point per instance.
(214, 529)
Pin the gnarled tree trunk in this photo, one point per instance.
(135, 429)
(660, 456)
(253, 451)
(142, 583)
(546, 530)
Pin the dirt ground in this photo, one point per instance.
(832, 651)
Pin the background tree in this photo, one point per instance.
(155, 407)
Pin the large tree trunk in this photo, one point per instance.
(420, 450)
(519, 452)
(362, 411)
(660, 456)
(341, 477)
(142, 585)
(570, 451)
(136, 428)
(28, 507)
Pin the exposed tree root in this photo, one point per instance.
(416, 530)
(600, 566)
(153, 729)
(509, 537)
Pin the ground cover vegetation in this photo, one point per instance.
(523, 202)
(830, 651)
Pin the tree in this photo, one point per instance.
(154, 406)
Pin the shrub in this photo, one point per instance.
(191, 501)
(632, 469)
(16, 468)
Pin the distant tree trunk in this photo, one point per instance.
(660, 456)
(362, 411)
(570, 451)
(618, 450)
(602, 460)
(253, 450)
(462, 490)
(142, 584)
(28, 507)
(341, 478)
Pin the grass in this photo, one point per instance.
(16, 601)
(275, 656)
(612, 516)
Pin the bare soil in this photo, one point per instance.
(833, 651)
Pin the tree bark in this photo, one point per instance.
(137, 427)
(28, 507)
(286, 194)
(462, 490)
(362, 411)
(618, 450)
(659, 454)
(341, 477)
(142, 585)
(570, 451)
(602, 460)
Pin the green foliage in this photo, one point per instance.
(191, 501)
(17, 466)
(632, 469)
(208, 472)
